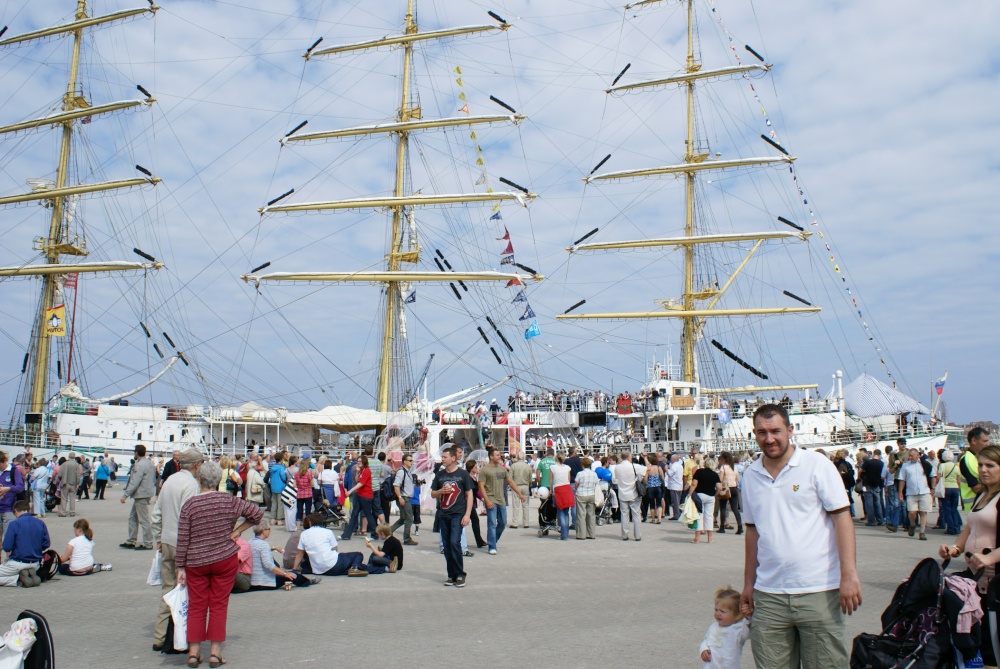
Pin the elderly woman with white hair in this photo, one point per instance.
(207, 559)
(948, 471)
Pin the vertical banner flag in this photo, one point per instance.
(532, 331)
(514, 439)
(55, 321)
(939, 384)
(528, 313)
(70, 281)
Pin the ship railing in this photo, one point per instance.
(847, 437)
(19, 438)
(562, 404)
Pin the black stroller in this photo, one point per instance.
(919, 626)
(332, 518)
(547, 517)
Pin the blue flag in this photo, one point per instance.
(496, 216)
(723, 416)
(532, 330)
(507, 260)
(411, 298)
(520, 297)
(528, 313)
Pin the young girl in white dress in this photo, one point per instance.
(724, 641)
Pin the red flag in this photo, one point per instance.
(509, 249)
(506, 235)
(514, 282)
(464, 108)
(71, 281)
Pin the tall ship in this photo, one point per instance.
(732, 204)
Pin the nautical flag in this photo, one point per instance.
(71, 280)
(479, 161)
(497, 217)
(411, 298)
(528, 313)
(507, 260)
(509, 250)
(532, 331)
(464, 108)
(459, 81)
(55, 321)
(724, 417)
(506, 235)
(87, 119)
(458, 69)
(472, 136)
(939, 384)
(514, 282)
(483, 179)
(461, 96)
(520, 297)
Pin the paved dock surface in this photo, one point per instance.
(540, 602)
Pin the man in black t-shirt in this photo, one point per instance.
(871, 496)
(452, 488)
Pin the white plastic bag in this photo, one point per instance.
(154, 570)
(15, 644)
(177, 600)
(598, 496)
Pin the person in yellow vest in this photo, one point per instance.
(690, 465)
(968, 464)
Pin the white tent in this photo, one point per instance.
(867, 397)
(340, 418)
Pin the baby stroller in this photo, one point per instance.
(547, 514)
(52, 498)
(606, 512)
(919, 625)
(332, 519)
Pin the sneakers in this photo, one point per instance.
(357, 572)
(469, 554)
(493, 551)
(393, 566)
(127, 544)
(923, 536)
(911, 530)
(890, 528)
(28, 579)
(143, 548)
(416, 531)
(100, 567)
(315, 581)
(460, 582)
(450, 581)
(411, 542)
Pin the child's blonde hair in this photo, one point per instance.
(729, 595)
(384, 529)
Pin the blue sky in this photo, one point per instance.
(889, 109)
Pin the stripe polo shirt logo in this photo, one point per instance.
(795, 488)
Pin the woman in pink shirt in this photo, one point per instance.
(303, 490)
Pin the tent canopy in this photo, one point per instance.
(867, 397)
(339, 418)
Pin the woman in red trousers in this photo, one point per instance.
(206, 559)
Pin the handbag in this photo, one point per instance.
(640, 484)
(177, 600)
(859, 487)
(874, 651)
(288, 494)
(939, 488)
(598, 496)
(564, 496)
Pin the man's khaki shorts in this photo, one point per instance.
(919, 502)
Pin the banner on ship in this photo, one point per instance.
(55, 321)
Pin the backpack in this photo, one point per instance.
(49, 566)
(267, 476)
(388, 489)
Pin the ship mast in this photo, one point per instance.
(691, 314)
(58, 243)
(401, 204)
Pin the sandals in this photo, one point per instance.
(194, 661)
(215, 661)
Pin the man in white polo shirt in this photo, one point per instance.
(915, 491)
(799, 574)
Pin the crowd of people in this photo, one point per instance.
(196, 511)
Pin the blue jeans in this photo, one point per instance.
(564, 520)
(872, 500)
(363, 506)
(892, 507)
(949, 511)
(346, 561)
(496, 521)
(451, 535)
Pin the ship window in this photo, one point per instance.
(697, 432)
(184, 433)
(677, 391)
(171, 438)
(114, 435)
(139, 436)
(815, 430)
(798, 427)
(78, 432)
(225, 440)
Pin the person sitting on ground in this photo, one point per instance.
(389, 558)
(265, 574)
(243, 569)
(320, 545)
(24, 542)
(78, 558)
